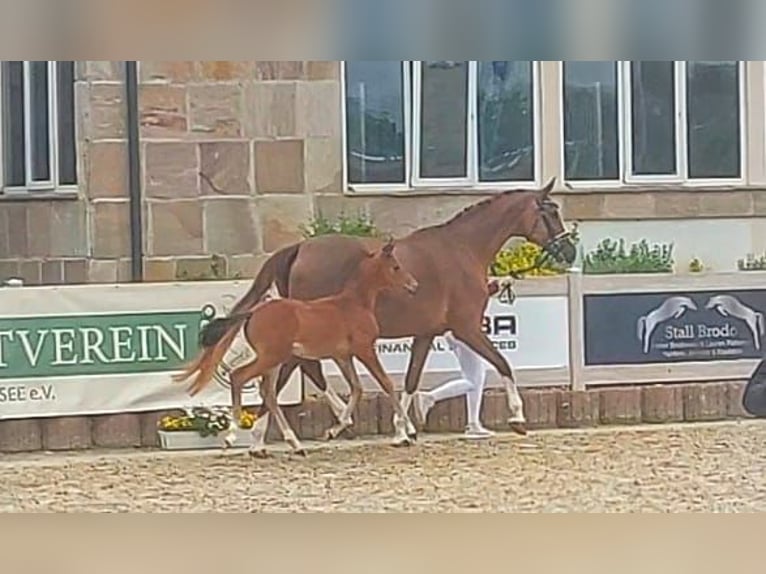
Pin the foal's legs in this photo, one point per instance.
(480, 343)
(420, 348)
(313, 370)
(269, 394)
(344, 420)
(369, 359)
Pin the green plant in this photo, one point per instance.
(214, 269)
(752, 263)
(360, 225)
(205, 421)
(611, 256)
(695, 265)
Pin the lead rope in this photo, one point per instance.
(506, 294)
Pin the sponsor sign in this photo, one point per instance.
(639, 328)
(531, 333)
(102, 349)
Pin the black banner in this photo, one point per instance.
(638, 328)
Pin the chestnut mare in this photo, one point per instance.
(339, 327)
(450, 260)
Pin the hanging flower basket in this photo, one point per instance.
(200, 428)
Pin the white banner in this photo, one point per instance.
(531, 333)
(96, 349)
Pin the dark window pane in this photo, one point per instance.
(653, 118)
(13, 124)
(39, 120)
(506, 121)
(375, 122)
(444, 119)
(67, 147)
(591, 145)
(713, 119)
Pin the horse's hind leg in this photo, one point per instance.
(346, 367)
(269, 393)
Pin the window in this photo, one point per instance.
(38, 136)
(652, 121)
(440, 123)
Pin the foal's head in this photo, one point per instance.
(384, 271)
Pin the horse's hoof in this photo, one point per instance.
(260, 453)
(518, 427)
(348, 433)
(301, 452)
(403, 442)
(329, 435)
(413, 436)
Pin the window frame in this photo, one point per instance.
(624, 135)
(411, 86)
(52, 185)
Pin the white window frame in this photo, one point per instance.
(51, 185)
(624, 135)
(407, 115)
(411, 85)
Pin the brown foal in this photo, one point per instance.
(339, 327)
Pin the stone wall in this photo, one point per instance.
(231, 156)
(544, 409)
(233, 152)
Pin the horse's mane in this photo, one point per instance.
(468, 210)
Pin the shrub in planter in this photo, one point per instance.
(204, 421)
(359, 225)
(610, 257)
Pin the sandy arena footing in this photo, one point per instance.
(702, 467)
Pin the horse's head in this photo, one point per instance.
(544, 226)
(388, 272)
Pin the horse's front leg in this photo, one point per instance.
(420, 349)
(369, 359)
(481, 344)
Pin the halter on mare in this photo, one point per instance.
(552, 249)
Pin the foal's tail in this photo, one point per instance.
(276, 270)
(207, 360)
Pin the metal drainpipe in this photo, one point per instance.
(134, 172)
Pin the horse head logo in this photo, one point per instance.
(728, 306)
(671, 308)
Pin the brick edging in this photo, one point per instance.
(545, 408)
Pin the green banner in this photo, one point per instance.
(71, 345)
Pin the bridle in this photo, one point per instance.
(552, 248)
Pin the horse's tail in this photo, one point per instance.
(276, 269)
(207, 360)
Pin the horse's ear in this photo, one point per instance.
(547, 188)
(388, 248)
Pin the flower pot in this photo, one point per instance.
(191, 440)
